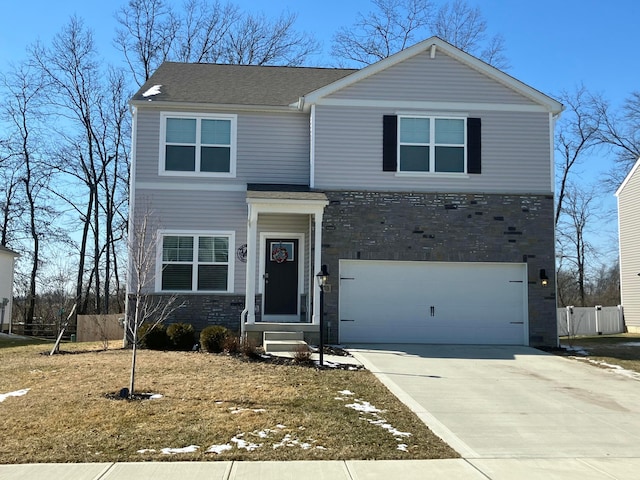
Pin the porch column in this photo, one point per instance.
(252, 249)
(317, 263)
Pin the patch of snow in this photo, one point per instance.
(289, 441)
(17, 393)
(173, 451)
(280, 426)
(363, 406)
(218, 449)
(241, 443)
(147, 450)
(153, 396)
(346, 392)
(392, 430)
(240, 410)
(155, 90)
(630, 344)
(616, 369)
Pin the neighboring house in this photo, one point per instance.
(424, 182)
(629, 233)
(7, 264)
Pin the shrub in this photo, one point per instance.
(153, 337)
(182, 336)
(212, 338)
(232, 344)
(250, 349)
(302, 354)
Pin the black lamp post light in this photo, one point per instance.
(323, 277)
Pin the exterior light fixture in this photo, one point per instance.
(323, 278)
(544, 280)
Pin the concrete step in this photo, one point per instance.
(271, 346)
(282, 336)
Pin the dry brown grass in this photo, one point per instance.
(65, 416)
(612, 349)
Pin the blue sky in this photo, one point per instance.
(552, 45)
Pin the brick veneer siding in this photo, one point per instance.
(204, 310)
(445, 227)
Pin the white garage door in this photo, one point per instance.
(433, 302)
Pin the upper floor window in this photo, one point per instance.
(202, 144)
(431, 144)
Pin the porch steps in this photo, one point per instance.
(282, 341)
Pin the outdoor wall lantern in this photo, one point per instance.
(544, 280)
(323, 277)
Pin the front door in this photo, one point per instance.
(281, 279)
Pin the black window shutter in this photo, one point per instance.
(389, 143)
(474, 146)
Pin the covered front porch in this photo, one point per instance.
(284, 238)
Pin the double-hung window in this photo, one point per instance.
(198, 144)
(196, 263)
(431, 144)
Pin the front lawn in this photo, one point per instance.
(212, 407)
(621, 349)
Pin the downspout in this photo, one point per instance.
(312, 147)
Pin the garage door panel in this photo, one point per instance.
(432, 302)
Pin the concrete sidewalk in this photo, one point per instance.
(471, 469)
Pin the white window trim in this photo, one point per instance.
(198, 117)
(231, 235)
(432, 146)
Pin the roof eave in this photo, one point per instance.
(160, 104)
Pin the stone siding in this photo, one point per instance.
(445, 227)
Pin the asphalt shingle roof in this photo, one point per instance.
(236, 84)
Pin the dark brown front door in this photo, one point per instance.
(281, 277)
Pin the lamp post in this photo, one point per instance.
(322, 277)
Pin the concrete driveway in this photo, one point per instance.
(512, 402)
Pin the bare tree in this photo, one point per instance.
(577, 134)
(394, 25)
(21, 111)
(151, 32)
(87, 108)
(147, 307)
(148, 30)
(256, 40)
(464, 26)
(621, 131)
(575, 251)
(391, 27)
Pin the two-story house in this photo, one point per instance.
(628, 195)
(424, 182)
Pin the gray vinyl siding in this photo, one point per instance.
(271, 148)
(516, 153)
(441, 79)
(629, 219)
(190, 211)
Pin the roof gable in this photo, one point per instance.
(8, 251)
(431, 46)
(628, 178)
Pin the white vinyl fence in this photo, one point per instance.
(596, 320)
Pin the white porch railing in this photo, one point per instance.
(596, 320)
